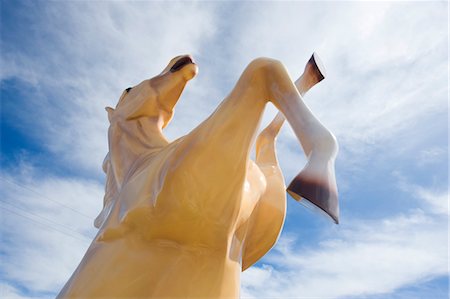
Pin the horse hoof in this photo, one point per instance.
(314, 73)
(316, 194)
(316, 68)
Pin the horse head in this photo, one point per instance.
(137, 121)
(156, 97)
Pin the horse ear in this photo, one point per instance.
(110, 112)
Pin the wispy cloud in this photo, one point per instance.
(386, 89)
(81, 57)
(381, 69)
(10, 292)
(365, 257)
(432, 155)
(47, 225)
(434, 199)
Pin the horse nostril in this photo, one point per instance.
(181, 63)
(128, 89)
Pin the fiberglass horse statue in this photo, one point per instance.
(184, 218)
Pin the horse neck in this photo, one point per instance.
(130, 140)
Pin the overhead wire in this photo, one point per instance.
(76, 236)
(47, 198)
(64, 229)
(41, 217)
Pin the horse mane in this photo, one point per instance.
(133, 130)
(110, 192)
(110, 184)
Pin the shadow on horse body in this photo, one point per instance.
(184, 218)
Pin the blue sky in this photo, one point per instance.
(385, 98)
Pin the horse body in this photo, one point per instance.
(177, 243)
(183, 219)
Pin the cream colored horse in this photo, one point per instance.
(182, 219)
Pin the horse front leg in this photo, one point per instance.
(268, 216)
(316, 183)
(313, 73)
(227, 135)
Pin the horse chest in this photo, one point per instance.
(229, 201)
(184, 209)
(254, 186)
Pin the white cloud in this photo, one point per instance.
(84, 56)
(432, 155)
(9, 292)
(387, 73)
(365, 257)
(382, 64)
(47, 225)
(433, 199)
(439, 203)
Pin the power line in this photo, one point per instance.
(36, 215)
(55, 224)
(46, 225)
(45, 197)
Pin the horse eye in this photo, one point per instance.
(128, 89)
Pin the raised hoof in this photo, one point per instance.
(313, 193)
(318, 70)
(314, 73)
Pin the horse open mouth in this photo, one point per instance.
(181, 63)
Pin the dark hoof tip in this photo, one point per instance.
(318, 66)
(316, 193)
